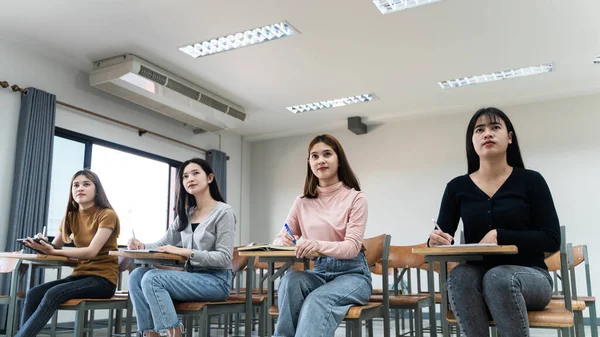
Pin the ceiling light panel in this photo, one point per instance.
(238, 40)
(390, 6)
(497, 76)
(332, 103)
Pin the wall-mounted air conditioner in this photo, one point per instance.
(143, 83)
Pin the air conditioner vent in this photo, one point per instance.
(152, 75)
(236, 113)
(213, 103)
(183, 89)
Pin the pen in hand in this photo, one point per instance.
(287, 228)
(443, 235)
(135, 241)
(436, 225)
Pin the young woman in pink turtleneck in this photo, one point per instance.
(330, 216)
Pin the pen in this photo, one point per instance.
(44, 232)
(287, 228)
(133, 233)
(436, 225)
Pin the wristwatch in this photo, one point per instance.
(192, 255)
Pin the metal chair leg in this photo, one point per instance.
(397, 322)
(79, 322)
(418, 322)
(593, 319)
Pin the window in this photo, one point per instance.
(68, 157)
(137, 188)
(140, 186)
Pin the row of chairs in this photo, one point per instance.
(398, 259)
(561, 314)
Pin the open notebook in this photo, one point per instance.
(265, 246)
(140, 251)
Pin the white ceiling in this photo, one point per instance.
(346, 47)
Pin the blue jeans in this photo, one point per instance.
(152, 292)
(314, 302)
(43, 300)
(504, 292)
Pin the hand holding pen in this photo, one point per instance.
(290, 239)
(437, 237)
(134, 243)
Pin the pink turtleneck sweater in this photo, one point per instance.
(336, 219)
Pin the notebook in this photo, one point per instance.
(139, 251)
(265, 247)
(468, 245)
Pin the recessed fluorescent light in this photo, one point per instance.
(389, 6)
(497, 76)
(597, 59)
(332, 103)
(239, 40)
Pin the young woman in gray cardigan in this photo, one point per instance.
(204, 228)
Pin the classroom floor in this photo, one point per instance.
(378, 331)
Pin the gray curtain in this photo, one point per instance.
(33, 164)
(32, 171)
(218, 162)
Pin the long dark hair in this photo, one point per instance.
(185, 201)
(513, 153)
(345, 173)
(100, 200)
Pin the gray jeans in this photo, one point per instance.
(504, 292)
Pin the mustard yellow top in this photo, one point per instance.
(84, 227)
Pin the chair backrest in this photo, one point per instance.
(300, 266)
(374, 249)
(238, 262)
(436, 266)
(378, 250)
(378, 269)
(124, 263)
(553, 260)
(564, 270)
(403, 256)
(258, 265)
(577, 254)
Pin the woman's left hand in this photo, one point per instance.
(41, 246)
(174, 250)
(490, 237)
(306, 248)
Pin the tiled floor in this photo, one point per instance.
(378, 331)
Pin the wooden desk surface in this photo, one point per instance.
(148, 256)
(466, 250)
(35, 257)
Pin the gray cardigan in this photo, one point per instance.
(212, 241)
